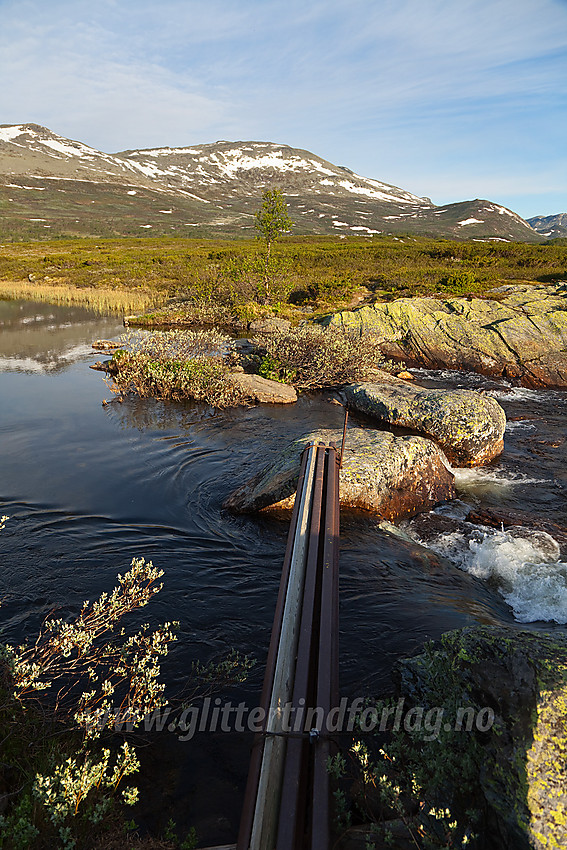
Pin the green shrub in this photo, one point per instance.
(58, 701)
(177, 365)
(461, 283)
(274, 371)
(313, 357)
(63, 770)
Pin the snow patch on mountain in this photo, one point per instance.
(371, 193)
(231, 176)
(69, 150)
(8, 134)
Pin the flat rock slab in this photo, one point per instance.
(520, 332)
(388, 475)
(469, 426)
(261, 389)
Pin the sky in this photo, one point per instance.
(450, 99)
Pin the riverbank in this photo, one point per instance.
(472, 749)
(517, 332)
(86, 485)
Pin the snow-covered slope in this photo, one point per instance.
(223, 163)
(50, 183)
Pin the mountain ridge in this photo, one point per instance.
(54, 186)
(550, 226)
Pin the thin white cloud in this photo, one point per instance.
(370, 83)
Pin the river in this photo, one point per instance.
(88, 486)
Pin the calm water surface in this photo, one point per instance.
(87, 487)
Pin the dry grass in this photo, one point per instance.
(100, 300)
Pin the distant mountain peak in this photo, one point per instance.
(65, 186)
(550, 226)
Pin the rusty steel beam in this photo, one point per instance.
(247, 817)
(327, 661)
(287, 800)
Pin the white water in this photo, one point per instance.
(523, 563)
(480, 481)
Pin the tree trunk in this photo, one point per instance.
(266, 278)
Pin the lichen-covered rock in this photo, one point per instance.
(513, 775)
(519, 333)
(469, 426)
(256, 388)
(391, 476)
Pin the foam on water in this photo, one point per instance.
(482, 480)
(520, 425)
(524, 564)
(518, 394)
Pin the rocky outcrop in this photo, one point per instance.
(518, 332)
(390, 476)
(506, 777)
(469, 426)
(256, 388)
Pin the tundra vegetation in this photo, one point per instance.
(197, 364)
(215, 280)
(229, 284)
(66, 773)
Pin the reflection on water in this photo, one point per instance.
(88, 487)
(44, 338)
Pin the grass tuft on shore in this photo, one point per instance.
(99, 300)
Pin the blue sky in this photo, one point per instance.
(453, 99)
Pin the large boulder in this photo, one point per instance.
(469, 426)
(502, 771)
(256, 388)
(390, 476)
(518, 332)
